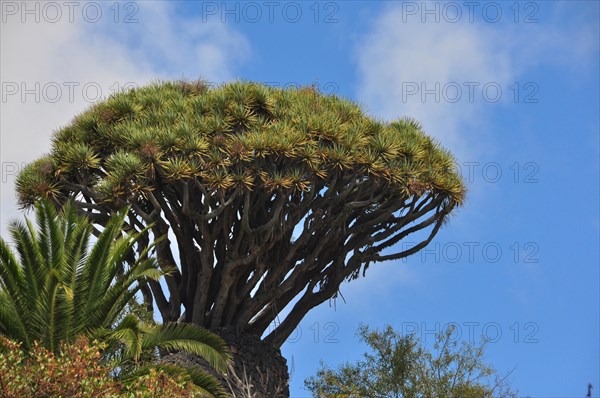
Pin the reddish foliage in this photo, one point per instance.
(76, 371)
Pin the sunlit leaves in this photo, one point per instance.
(309, 155)
(372, 162)
(36, 181)
(189, 130)
(339, 157)
(118, 108)
(177, 169)
(168, 140)
(299, 179)
(385, 145)
(123, 166)
(242, 178)
(239, 149)
(276, 180)
(242, 118)
(216, 159)
(77, 156)
(218, 179)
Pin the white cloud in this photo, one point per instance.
(399, 52)
(401, 62)
(178, 45)
(404, 62)
(68, 65)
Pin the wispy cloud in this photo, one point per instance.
(407, 67)
(54, 69)
(433, 72)
(449, 72)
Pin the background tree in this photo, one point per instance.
(401, 367)
(57, 289)
(270, 198)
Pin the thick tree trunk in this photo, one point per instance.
(259, 370)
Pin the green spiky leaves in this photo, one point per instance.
(237, 135)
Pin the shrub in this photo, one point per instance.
(78, 371)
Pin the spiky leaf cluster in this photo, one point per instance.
(237, 136)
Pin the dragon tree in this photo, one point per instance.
(269, 198)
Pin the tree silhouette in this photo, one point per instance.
(270, 198)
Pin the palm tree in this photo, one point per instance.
(56, 288)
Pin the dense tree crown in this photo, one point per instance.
(401, 366)
(274, 197)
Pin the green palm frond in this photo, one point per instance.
(14, 298)
(57, 287)
(203, 383)
(11, 323)
(27, 247)
(192, 339)
(130, 332)
(99, 269)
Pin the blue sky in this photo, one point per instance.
(511, 88)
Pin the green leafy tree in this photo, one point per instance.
(272, 197)
(400, 367)
(56, 288)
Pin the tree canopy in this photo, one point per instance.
(273, 196)
(398, 366)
